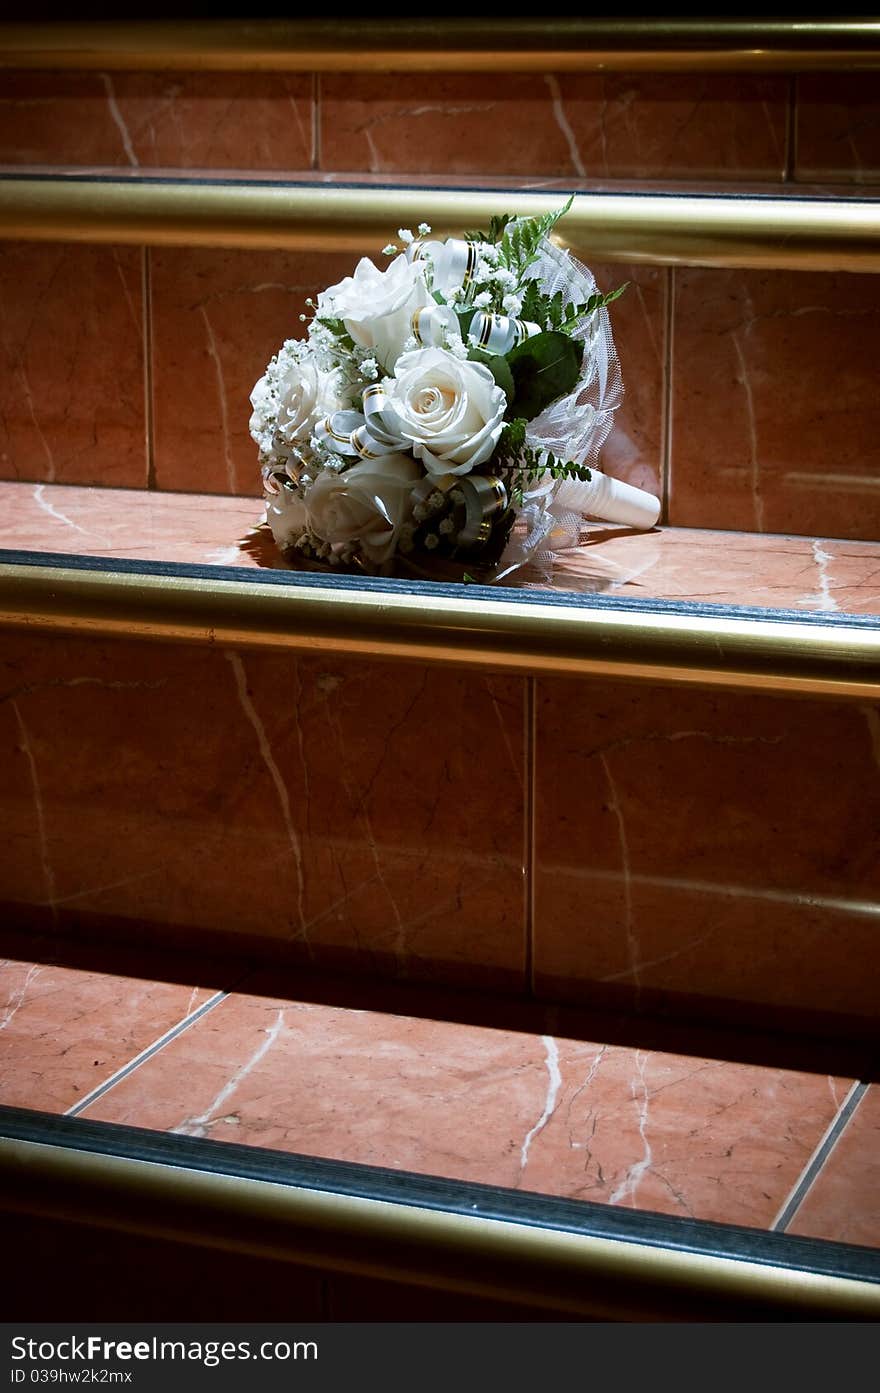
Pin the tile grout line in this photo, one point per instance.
(529, 833)
(666, 423)
(147, 293)
(821, 1153)
(146, 1054)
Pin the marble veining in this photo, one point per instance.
(669, 872)
(199, 1126)
(612, 125)
(118, 120)
(371, 842)
(564, 125)
(554, 1083)
(610, 1124)
(141, 120)
(237, 664)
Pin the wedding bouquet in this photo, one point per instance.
(443, 415)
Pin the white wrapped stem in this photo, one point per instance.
(609, 499)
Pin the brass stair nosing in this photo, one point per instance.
(451, 45)
(656, 229)
(488, 1257)
(493, 632)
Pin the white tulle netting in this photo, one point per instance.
(575, 427)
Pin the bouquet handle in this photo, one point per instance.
(610, 499)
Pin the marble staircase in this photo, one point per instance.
(565, 892)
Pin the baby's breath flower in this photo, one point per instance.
(389, 250)
(405, 234)
(483, 272)
(483, 300)
(424, 229)
(512, 304)
(370, 369)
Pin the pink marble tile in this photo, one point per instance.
(209, 529)
(774, 415)
(209, 120)
(218, 317)
(838, 127)
(612, 1125)
(71, 353)
(707, 853)
(343, 812)
(843, 1203)
(63, 1032)
(648, 126)
(729, 568)
(634, 450)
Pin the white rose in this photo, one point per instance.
(288, 401)
(305, 396)
(368, 504)
(377, 307)
(286, 515)
(450, 410)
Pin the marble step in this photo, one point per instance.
(735, 368)
(655, 1162)
(682, 851)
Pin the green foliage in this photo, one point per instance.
(543, 367)
(499, 368)
(521, 465)
(464, 321)
(552, 313)
(497, 224)
(522, 237)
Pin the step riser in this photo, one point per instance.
(704, 855)
(710, 125)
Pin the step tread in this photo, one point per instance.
(813, 575)
(611, 1124)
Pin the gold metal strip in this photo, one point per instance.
(760, 654)
(797, 234)
(600, 1277)
(417, 45)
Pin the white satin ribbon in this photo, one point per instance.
(497, 333)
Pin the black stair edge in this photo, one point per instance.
(427, 588)
(698, 1237)
(851, 195)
